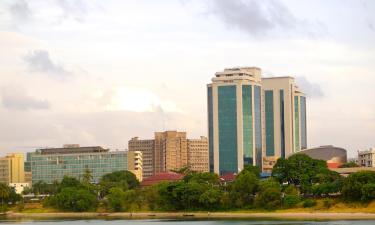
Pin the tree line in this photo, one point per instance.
(297, 181)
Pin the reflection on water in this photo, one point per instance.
(181, 222)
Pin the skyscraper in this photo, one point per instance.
(253, 120)
(284, 119)
(234, 120)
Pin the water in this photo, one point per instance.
(181, 222)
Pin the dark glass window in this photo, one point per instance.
(227, 106)
(258, 125)
(247, 114)
(269, 117)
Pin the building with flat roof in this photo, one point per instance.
(52, 164)
(284, 119)
(169, 151)
(366, 158)
(12, 168)
(253, 120)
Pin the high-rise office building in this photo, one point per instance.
(235, 120)
(12, 168)
(284, 119)
(253, 120)
(171, 150)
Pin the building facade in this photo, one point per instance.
(147, 149)
(253, 120)
(235, 120)
(12, 168)
(135, 164)
(198, 154)
(49, 165)
(284, 119)
(169, 151)
(366, 158)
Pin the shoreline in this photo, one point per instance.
(195, 215)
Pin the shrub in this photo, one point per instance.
(327, 203)
(290, 201)
(308, 203)
(269, 198)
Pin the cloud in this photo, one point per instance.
(15, 98)
(254, 17)
(40, 61)
(20, 11)
(75, 9)
(311, 90)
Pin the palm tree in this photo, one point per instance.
(4, 193)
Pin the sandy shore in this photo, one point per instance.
(196, 215)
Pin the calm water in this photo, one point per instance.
(176, 222)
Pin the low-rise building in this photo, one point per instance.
(19, 187)
(334, 156)
(366, 158)
(52, 164)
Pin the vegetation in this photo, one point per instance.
(297, 182)
(349, 165)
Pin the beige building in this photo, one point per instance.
(366, 158)
(171, 150)
(12, 168)
(198, 154)
(284, 119)
(147, 149)
(135, 163)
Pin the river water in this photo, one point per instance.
(191, 222)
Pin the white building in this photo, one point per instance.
(365, 158)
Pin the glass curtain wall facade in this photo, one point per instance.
(210, 129)
(303, 123)
(269, 114)
(282, 124)
(258, 124)
(54, 167)
(227, 116)
(247, 116)
(296, 124)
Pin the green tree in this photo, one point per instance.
(301, 171)
(4, 194)
(356, 186)
(210, 199)
(87, 177)
(116, 199)
(122, 179)
(268, 198)
(78, 200)
(244, 188)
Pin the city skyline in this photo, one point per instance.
(98, 74)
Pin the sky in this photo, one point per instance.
(98, 72)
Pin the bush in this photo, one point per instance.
(368, 192)
(290, 201)
(355, 186)
(80, 200)
(116, 199)
(269, 198)
(327, 203)
(308, 203)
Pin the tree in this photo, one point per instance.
(244, 187)
(87, 176)
(116, 198)
(71, 199)
(210, 199)
(301, 171)
(269, 198)
(358, 186)
(122, 179)
(202, 178)
(4, 193)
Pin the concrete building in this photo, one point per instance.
(366, 158)
(135, 163)
(198, 154)
(147, 149)
(284, 119)
(12, 168)
(19, 187)
(171, 150)
(53, 164)
(253, 120)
